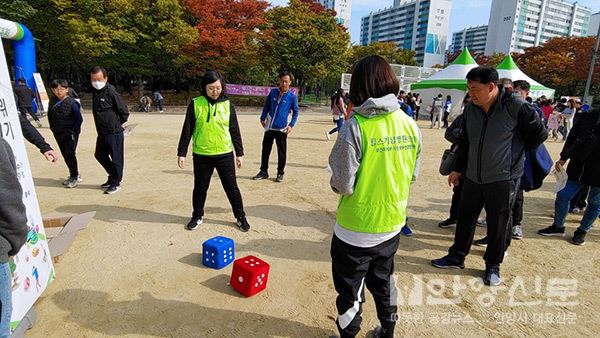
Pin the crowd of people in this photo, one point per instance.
(493, 139)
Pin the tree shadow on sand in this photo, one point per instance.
(109, 213)
(150, 316)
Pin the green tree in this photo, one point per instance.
(310, 45)
(16, 10)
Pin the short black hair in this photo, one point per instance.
(209, 77)
(98, 69)
(522, 84)
(286, 73)
(483, 74)
(372, 77)
(59, 83)
(21, 80)
(402, 92)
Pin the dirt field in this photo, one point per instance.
(135, 271)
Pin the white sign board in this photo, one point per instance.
(42, 94)
(31, 268)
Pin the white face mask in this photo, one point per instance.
(98, 84)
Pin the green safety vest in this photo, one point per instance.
(389, 154)
(211, 133)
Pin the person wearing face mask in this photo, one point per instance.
(65, 121)
(110, 115)
(212, 123)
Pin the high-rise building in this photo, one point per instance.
(473, 38)
(594, 24)
(342, 8)
(419, 25)
(518, 24)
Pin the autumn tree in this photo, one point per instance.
(229, 34)
(560, 63)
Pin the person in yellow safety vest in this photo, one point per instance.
(211, 124)
(373, 163)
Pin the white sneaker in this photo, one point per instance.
(327, 135)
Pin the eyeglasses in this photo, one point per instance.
(60, 89)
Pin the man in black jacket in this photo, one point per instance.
(13, 228)
(110, 115)
(25, 98)
(498, 128)
(581, 173)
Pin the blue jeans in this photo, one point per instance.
(5, 300)
(340, 123)
(563, 200)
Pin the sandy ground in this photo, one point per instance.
(135, 271)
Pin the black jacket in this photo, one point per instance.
(13, 219)
(190, 124)
(496, 142)
(587, 172)
(24, 96)
(32, 135)
(109, 109)
(64, 116)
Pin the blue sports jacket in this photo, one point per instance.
(279, 109)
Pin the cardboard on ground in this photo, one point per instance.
(61, 231)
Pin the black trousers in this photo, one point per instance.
(67, 143)
(267, 145)
(517, 210)
(204, 166)
(29, 110)
(110, 154)
(354, 269)
(416, 113)
(456, 194)
(498, 199)
(445, 119)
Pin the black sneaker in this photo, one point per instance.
(447, 263)
(481, 242)
(106, 184)
(552, 231)
(579, 237)
(72, 182)
(279, 178)
(448, 223)
(112, 189)
(492, 275)
(260, 176)
(193, 223)
(243, 224)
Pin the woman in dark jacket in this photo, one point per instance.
(65, 121)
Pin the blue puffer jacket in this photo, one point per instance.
(279, 111)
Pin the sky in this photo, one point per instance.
(464, 13)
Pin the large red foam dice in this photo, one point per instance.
(249, 275)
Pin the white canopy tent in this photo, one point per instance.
(449, 81)
(509, 69)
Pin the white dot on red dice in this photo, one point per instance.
(255, 284)
(263, 275)
(246, 262)
(240, 279)
(251, 264)
(251, 259)
(261, 283)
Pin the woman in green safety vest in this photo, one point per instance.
(373, 163)
(211, 124)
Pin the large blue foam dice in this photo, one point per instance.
(218, 252)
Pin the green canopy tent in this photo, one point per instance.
(449, 81)
(509, 69)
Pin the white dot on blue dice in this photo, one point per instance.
(212, 253)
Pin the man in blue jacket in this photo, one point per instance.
(274, 118)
